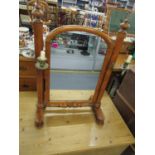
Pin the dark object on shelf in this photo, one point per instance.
(85, 53)
(125, 99)
(85, 48)
(70, 51)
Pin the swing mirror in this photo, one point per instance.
(78, 57)
(76, 60)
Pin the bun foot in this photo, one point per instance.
(99, 116)
(39, 124)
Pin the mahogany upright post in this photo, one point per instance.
(37, 15)
(99, 93)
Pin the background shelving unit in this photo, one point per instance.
(122, 3)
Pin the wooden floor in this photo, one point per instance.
(69, 131)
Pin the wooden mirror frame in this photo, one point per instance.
(43, 76)
(51, 36)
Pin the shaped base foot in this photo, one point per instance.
(39, 122)
(98, 115)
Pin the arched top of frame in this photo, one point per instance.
(66, 28)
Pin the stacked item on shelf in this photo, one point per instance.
(81, 17)
(94, 19)
(75, 12)
(122, 3)
(24, 18)
(83, 4)
(51, 16)
(53, 13)
(89, 4)
(26, 43)
(67, 16)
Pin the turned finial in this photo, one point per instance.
(37, 13)
(125, 25)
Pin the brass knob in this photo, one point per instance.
(125, 25)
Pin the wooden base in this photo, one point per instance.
(65, 103)
(96, 107)
(97, 112)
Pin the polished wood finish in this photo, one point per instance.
(118, 44)
(70, 103)
(39, 113)
(22, 58)
(71, 131)
(38, 37)
(102, 74)
(38, 41)
(27, 84)
(106, 73)
(27, 68)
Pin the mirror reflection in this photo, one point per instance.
(76, 61)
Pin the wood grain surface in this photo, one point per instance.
(71, 130)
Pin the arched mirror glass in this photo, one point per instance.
(76, 60)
